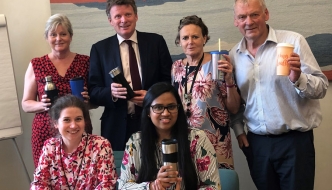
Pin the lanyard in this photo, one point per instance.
(79, 167)
(188, 96)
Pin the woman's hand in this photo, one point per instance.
(226, 67)
(167, 177)
(45, 102)
(178, 184)
(156, 185)
(85, 95)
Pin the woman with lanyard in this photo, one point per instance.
(208, 103)
(75, 159)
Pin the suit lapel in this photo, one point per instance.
(143, 53)
(113, 57)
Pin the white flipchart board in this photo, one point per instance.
(10, 119)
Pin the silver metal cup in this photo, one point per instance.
(216, 56)
(169, 149)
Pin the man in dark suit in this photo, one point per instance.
(153, 63)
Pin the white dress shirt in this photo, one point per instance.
(124, 53)
(275, 105)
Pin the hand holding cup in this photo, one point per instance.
(216, 56)
(226, 67)
(284, 52)
(77, 86)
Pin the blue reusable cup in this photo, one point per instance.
(77, 86)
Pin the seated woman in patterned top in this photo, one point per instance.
(76, 159)
(163, 117)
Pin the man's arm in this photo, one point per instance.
(165, 61)
(237, 125)
(100, 93)
(311, 82)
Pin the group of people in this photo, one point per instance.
(177, 100)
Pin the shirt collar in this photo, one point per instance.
(271, 37)
(132, 38)
(81, 147)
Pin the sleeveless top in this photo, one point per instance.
(42, 67)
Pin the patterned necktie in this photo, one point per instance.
(134, 73)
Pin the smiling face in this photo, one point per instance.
(164, 121)
(71, 125)
(250, 18)
(192, 40)
(123, 19)
(59, 39)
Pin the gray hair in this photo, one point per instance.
(54, 21)
(261, 2)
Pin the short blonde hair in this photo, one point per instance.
(54, 21)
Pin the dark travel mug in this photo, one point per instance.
(118, 77)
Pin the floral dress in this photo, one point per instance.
(202, 154)
(208, 111)
(90, 166)
(42, 67)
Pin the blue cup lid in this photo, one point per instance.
(77, 78)
(219, 52)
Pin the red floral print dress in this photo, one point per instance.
(202, 154)
(90, 166)
(42, 67)
(208, 111)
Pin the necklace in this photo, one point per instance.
(79, 167)
(188, 96)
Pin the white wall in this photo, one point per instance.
(26, 21)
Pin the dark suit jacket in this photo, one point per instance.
(156, 66)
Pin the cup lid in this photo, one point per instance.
(169, 141)
(219, 52)
(77, 78)
(285, 45)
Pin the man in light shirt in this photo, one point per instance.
(121, 117)
(280, 112)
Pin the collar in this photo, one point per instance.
(271, 37)
(80, 147)
(132, 38)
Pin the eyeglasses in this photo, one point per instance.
(160, 108)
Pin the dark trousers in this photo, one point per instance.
(133, 125)
(282, 162)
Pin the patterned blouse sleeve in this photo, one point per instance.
(130, 166)
(205, 161)
(106, 167)
(42, 175)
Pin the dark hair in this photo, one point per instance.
(70, 101)
(111, 3)
(193, 19)
(150, 137)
